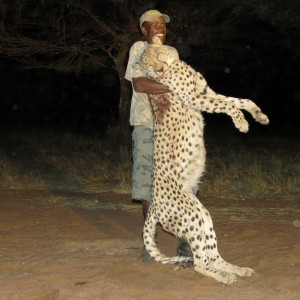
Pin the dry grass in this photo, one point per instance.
(71, 161)
(252, 172)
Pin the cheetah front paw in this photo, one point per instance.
(242, 125)
(261, 118)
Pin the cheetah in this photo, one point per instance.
(179, 163)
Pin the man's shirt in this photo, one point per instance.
(140, 110)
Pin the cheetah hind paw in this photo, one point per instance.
(226, 278)
(245, 272)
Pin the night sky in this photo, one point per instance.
(50, 99)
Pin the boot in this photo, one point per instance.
(145, 256)
(184, 248)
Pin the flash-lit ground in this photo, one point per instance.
(67, 245)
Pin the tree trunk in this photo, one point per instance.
(124, 111)
(124, 103)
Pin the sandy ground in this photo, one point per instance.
(67, 245)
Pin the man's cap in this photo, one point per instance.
(152, 15)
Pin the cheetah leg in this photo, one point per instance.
(213, 259)
(213, 255)
(196, 100)
(201, 237)
(213, 105)
(244, 104)
(151, 247)
(203, 263)
(252, 108)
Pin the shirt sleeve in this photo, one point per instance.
(134, 56)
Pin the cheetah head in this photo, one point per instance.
(155, 59)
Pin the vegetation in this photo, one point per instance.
(69, 161)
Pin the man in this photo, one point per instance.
(152, 23)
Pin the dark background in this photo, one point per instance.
(88, 102)
(50, 99)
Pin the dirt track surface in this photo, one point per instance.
(63, 245)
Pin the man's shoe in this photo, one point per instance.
(184, 248)
(145, 256)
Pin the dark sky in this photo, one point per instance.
(40, 98)
(268, 76)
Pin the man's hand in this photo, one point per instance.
(148, 86)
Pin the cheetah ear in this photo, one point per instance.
(156, 40)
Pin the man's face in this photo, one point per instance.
(156, 28)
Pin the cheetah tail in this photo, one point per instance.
(151, 247)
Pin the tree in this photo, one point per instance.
(84, 35)
(72, 36)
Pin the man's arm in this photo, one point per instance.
(148, 86)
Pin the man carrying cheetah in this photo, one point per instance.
(177, 155)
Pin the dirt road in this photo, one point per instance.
(67, 245)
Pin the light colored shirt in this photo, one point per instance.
(140, 110)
